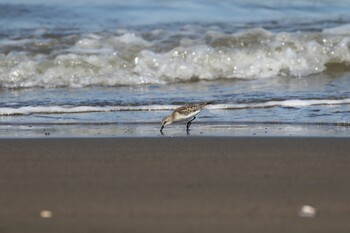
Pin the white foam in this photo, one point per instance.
(49, 109)
(293, 103)
(129, 59)
(296, 103)
(77, 109)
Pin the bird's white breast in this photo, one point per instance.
(180, 117)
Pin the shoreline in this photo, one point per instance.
(180, 184)
(198, 129)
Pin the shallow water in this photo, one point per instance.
(112, 62)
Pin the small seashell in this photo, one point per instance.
(307, 211)
(46, 214)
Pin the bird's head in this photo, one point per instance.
(166, 121)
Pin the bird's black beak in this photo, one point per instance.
(161, 129)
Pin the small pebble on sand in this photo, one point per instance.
(46, 214)
(307, 211)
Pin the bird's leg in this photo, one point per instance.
(161, 129)
(189, 124)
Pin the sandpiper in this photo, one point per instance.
(183, 113)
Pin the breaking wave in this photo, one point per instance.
(162, 56)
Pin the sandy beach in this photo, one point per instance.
(84, 86)
(189, 184)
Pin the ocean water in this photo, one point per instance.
(108, 67)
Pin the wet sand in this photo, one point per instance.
(189, 184)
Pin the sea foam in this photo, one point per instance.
(160, 57)
(292, 103)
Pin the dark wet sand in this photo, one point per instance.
(174, 184)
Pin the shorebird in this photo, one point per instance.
(188, 111)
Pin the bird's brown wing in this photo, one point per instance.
(187, 109)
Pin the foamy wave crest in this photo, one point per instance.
(161, 57)
(293, 103)
(296, 103)
(77, 109)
